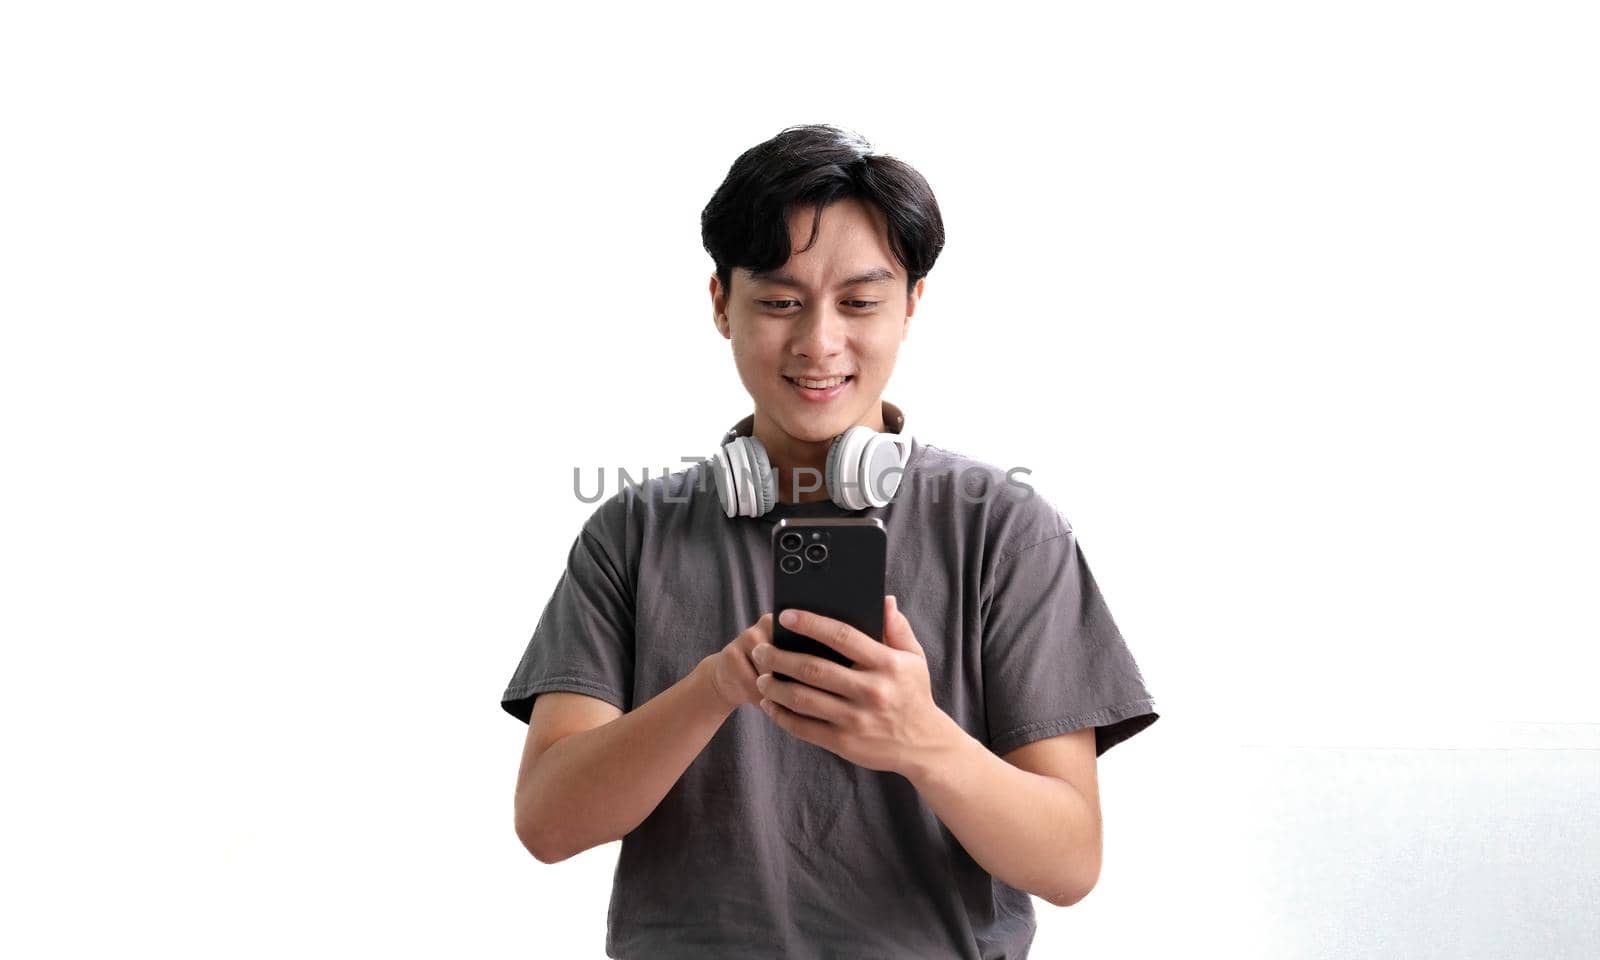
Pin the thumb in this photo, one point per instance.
(897, 629)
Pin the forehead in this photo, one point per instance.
(851, 248)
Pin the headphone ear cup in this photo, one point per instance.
(735, 469)
(844, 468)
(722, 473)
(831, 470)
(880, 460)
(761, 477)
(744, 476)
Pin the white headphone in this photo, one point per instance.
(747, 488)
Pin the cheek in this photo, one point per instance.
(756, 366)
(754, 352)
(882, 356)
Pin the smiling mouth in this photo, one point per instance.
(821, 385)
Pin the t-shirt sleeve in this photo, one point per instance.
(1053, 659)
(583, 642)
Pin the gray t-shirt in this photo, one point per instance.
(769, 846)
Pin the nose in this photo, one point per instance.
(819, 333)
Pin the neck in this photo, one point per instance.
(798, 465)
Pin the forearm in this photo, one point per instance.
(593, 787)
(1034, 832)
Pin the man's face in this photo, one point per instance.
(839, 308)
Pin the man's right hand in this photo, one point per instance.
(733, 674)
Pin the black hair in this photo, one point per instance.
(746, 223)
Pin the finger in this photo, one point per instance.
(763, 628)
(897, 629)
(814, 671)
(799, 725)
(802, 699)
(758, 633)
(866, 652)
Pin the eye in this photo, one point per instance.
(787, 304)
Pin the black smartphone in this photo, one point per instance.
(833, 566)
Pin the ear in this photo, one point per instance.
(912, 299)
(719, 307)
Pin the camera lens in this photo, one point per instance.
(816, 553)
(791, 541)
(790, 563)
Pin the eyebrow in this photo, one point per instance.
(875, 275)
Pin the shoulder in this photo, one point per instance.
(640, 504)
(998, 500)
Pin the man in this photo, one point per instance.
(906, 806)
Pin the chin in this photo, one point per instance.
(822, 431)
(813, 435)
(815, 428)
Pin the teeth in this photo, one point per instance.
(820, 384)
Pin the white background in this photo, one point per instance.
(311, 308)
